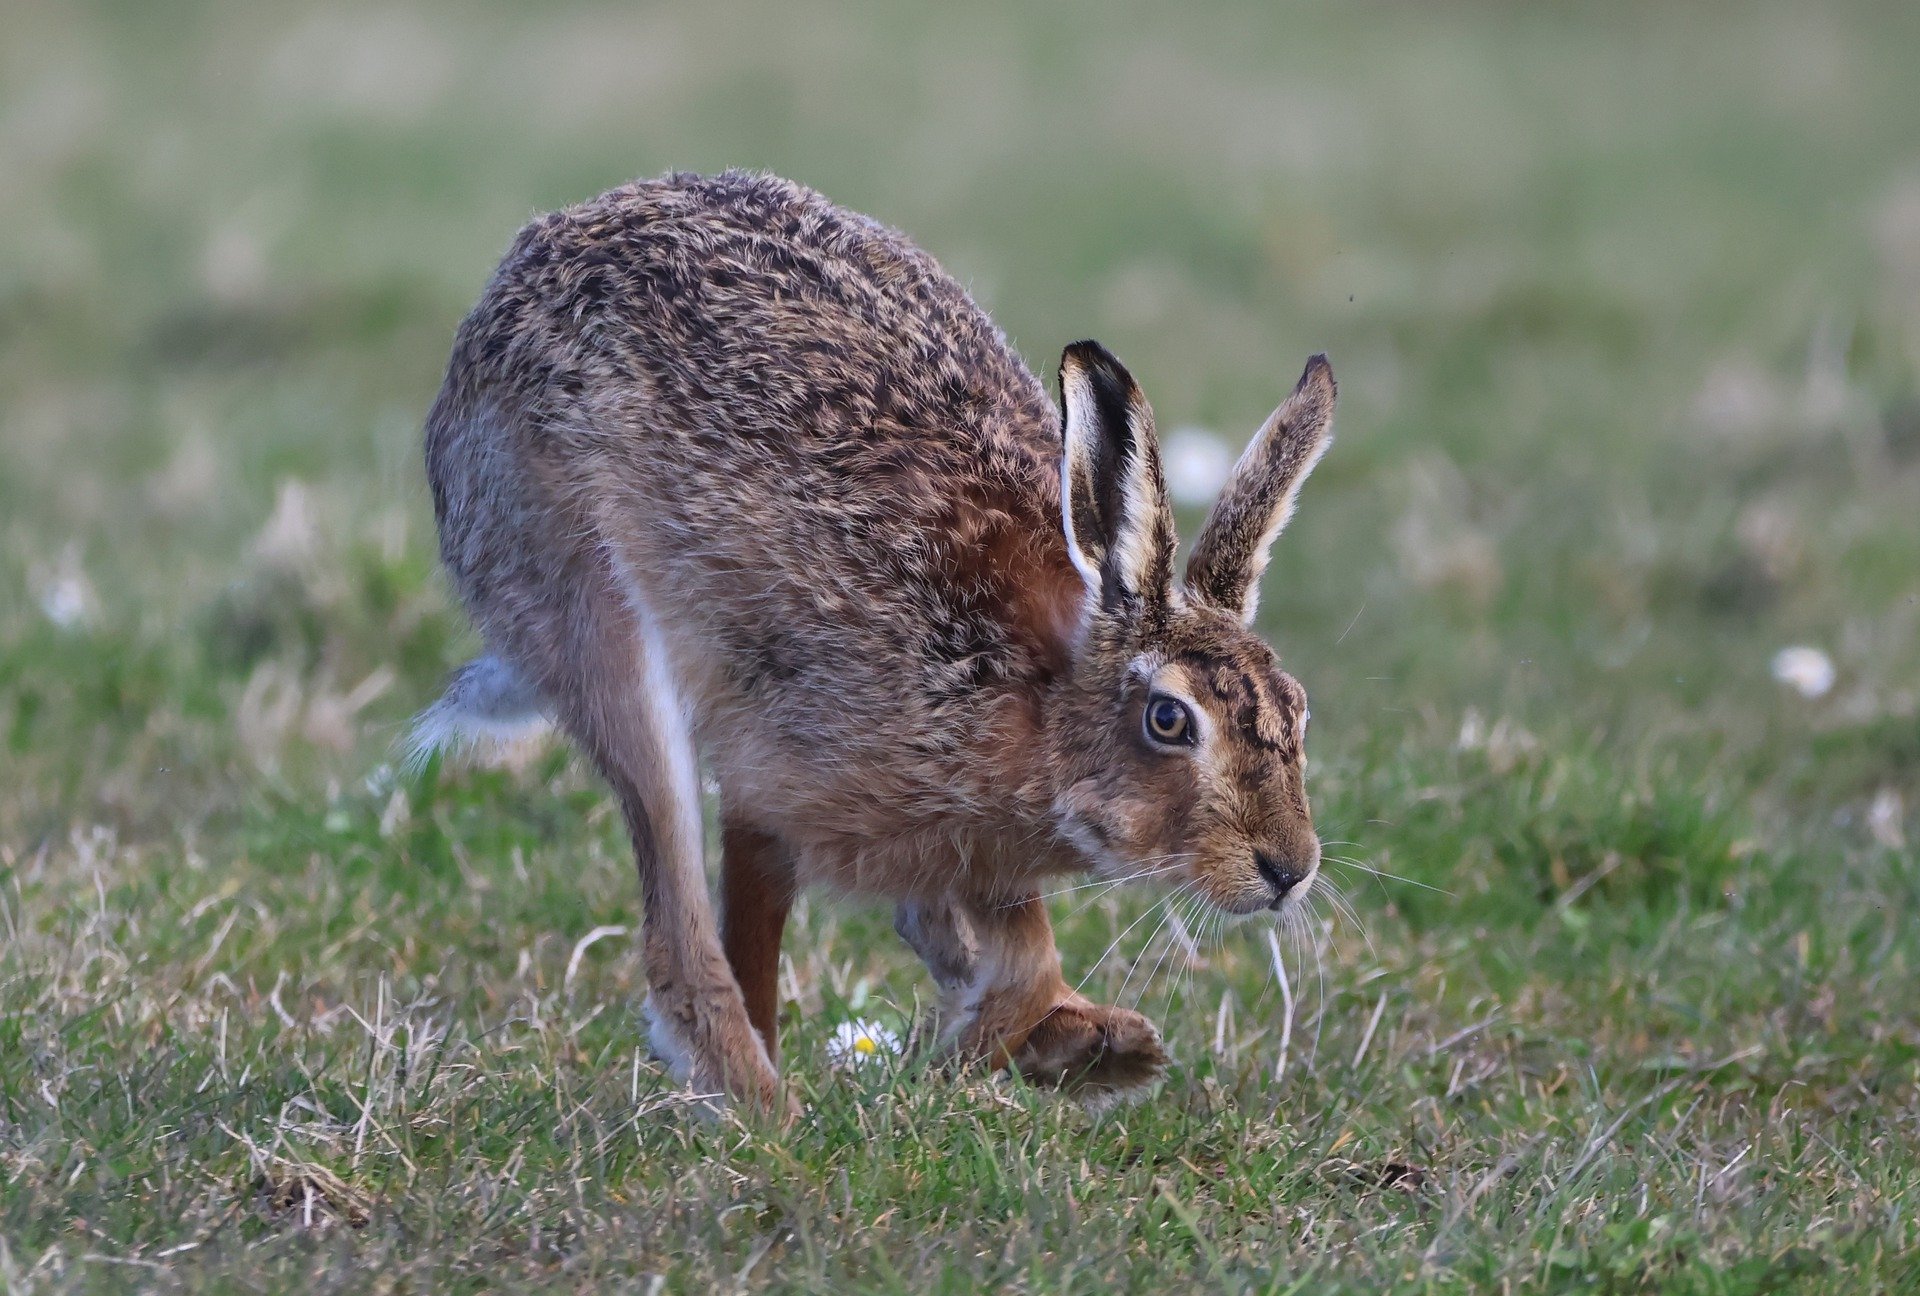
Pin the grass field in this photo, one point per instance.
(1625, 302)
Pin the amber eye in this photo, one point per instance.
(1168, 722)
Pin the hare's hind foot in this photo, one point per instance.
(726, 1066)
(1100, 1053)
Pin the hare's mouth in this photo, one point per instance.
(1270, 887)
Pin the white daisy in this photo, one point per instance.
(1807, 671)
(858, 1043)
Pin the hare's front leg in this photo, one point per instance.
(1006, 1002)
(756, 894)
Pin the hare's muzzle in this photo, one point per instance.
(1281, 879)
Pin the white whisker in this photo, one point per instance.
(1106, 883)
(1095, 967)
(1382, 873)
(1167, 904)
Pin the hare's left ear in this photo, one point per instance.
(1258, 499)
(1113, 497)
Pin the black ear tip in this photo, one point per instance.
(1318, 373)
(1099, 367)
(1096, 362)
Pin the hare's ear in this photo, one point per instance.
(1113, 497)
(1258, 499)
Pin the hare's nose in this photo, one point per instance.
(1278, 876)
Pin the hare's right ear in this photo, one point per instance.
(1113, 497)
(1231, 550)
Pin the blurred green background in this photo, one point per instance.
(1625, 305)
(1624, 300)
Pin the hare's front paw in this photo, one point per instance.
(1100, 1052)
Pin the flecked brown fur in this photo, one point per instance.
(721, 467)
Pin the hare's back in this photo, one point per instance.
(817, 437)
(751, 317)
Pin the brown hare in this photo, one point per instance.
(724, 471)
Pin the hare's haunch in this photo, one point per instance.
(723, 471)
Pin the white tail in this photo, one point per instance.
(486, 703)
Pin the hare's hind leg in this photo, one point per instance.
(549, 593)
(756, 893)
(608, 678)
(1006, 1002)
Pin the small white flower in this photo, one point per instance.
(1196, 463)
(858, 1043)
(1807, 671)
(66, 596)
(64, 601)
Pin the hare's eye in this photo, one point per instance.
(1168, 722)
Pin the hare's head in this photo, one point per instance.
(1177, 740)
